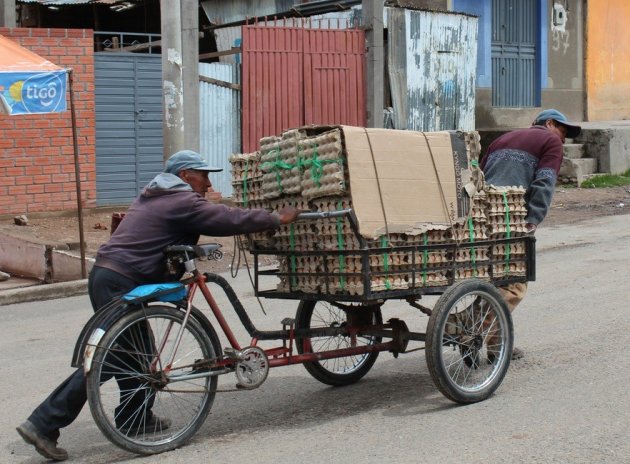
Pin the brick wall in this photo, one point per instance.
(37, 169)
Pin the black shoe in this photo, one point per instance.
(44, 445)
(153, 425)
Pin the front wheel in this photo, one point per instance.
(469, 341)
(337, 371)
(146, 389)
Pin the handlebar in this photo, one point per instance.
(324, 214)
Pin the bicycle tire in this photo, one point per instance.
(470, 336)
(127, 351)
(336, 371)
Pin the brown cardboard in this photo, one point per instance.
(400, 179)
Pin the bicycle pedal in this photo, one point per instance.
(287, 321)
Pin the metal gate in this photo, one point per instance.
(128, 104)
(514, 53)
(294, 76)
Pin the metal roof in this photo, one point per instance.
(76, 2)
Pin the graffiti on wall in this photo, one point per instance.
(559, 33)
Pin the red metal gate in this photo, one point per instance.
(295, 76)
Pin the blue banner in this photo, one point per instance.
(33, 92)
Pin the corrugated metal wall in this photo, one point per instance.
(514, 36)
(220, 122)
(334, 86)
(128, 104)
(432, 61)
(292, 76)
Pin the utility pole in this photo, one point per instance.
(180, 75)
(7, 13)
(190, 55)
(172, 77)
(373, 23)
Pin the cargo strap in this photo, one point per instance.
(508, 232)
(340, 245)
(473, 250)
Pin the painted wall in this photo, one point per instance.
(36, 150)
(560, 64)
(608, 60)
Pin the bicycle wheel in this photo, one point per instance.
(469, 341)
(337, 371)
(140, 399)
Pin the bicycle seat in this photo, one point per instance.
(168, 291)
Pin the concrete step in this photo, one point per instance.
(577, 170)
(573, 150)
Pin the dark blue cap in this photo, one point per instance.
(572, 130)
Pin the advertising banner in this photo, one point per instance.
(33, 92)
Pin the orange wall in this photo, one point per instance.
(36, 150)
(608, 60)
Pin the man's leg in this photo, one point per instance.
(513, 294)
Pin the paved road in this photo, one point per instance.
(567, 401)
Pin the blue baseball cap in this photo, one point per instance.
(188, 159)
(572, 130)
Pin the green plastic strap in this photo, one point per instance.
(292, 245)
(425, 259)
(340, 245)
(317, 168)
(508, 232)
(473, 250)
(317, 165)
(388, 284)
(276, 165)
(245, 184)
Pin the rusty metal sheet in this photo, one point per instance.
(334, 77)
(272, 77)
(432, 59)
(294, 76)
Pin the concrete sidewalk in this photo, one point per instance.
(17, 290)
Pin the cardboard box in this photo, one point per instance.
(400, 179)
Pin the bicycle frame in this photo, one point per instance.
(284, 355)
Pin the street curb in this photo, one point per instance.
(43, 292)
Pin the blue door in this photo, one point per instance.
(515, 34)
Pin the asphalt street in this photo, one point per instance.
(567, 401)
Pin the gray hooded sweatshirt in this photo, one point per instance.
(168, 212)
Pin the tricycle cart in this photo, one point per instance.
(165, 355)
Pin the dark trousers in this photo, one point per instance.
(64, 404)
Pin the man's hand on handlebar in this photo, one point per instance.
(288, 214)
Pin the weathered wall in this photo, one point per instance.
(36, 150)
(608, 60)
(561, 63)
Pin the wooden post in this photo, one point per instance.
(373, 23)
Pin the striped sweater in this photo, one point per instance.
(530, 158)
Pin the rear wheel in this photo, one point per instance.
(337, 371)
(469, 341)
(139, 399)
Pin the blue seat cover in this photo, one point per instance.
(170, 291)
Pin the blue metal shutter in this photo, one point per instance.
(514, 36)
(128, 104)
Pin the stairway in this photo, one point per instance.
(576, 167)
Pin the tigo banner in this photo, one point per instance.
(33, 92)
